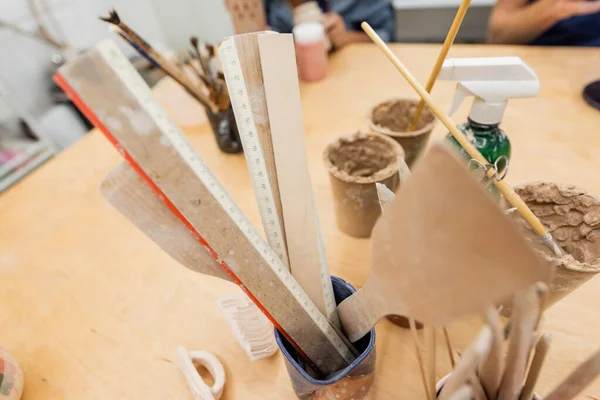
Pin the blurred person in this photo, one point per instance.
(341, 20)
(546, 22)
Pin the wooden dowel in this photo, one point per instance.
(508, 193)
(541, 350)
(449, 347)
(415, 336)
(460, 16)
(430, 345)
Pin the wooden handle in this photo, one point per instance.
(541, 350)
(460, 16)
(490, 370)
(360, 312)
(508, 193)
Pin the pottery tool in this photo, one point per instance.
(541, 350)
(458, 19)
(468, 363)
(521, 335)
(262, 79)
(578, 380)
(250, 327)
(125, 190)
(157, 150)
(504, 188)
(423, 263)
(491, 369)
(200, 389)
(157, 59)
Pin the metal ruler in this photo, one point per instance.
(110, 92)
(255, 159)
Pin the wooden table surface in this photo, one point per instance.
(92, 309)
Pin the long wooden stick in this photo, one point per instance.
(430, 345)
(504, 188)
(541, 350)
(578, 380)
(460, 16)
(415, 336)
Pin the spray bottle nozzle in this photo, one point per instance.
(492, 81)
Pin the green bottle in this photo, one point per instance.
(492, 81)
(491, 141)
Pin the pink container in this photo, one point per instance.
(311, 52)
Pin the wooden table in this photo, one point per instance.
(93, 309)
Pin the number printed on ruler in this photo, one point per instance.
(173, 134)
(252, 149)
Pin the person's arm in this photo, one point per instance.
(338, 34)
(517, 22)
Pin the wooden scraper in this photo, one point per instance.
(132, 197)
(444, 249)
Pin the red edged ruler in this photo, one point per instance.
(110, 92)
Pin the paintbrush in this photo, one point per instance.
(460, 16)
(509, 194)
(201, 59)
(148, 52)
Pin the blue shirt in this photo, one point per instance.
(378, 13)
(575, 31)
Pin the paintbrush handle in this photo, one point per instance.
(460, 16)
(578, 380)
(541, 350)
(508, 193)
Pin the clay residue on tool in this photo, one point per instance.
(361, 158)
(396, 115)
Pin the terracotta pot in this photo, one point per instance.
(392, 117)
(355, 163)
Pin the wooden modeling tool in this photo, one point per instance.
(127, 192)
(468, 363)
(578, 380)
(491, 369)
(525, 314)
(157, 150)
(504, 188)
(460, 16)
(541, 350)
(147, 51)
(423, 263)
(262, 80)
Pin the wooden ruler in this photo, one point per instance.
(262, 79)
(245, 86)
(157, 150)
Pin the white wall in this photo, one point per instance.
(25, 66)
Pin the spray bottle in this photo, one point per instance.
(492, 81)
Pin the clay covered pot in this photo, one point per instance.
(392, 118)
(355, 163)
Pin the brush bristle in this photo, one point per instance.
(194, 41)
(211, 50)
(113, 17)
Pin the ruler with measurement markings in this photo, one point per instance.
(262, 79)
(108, 90)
